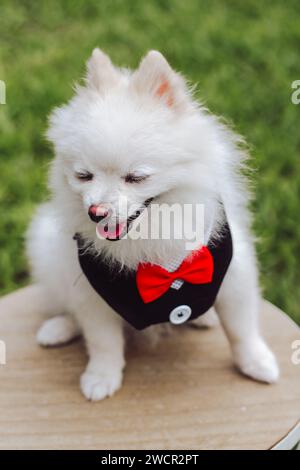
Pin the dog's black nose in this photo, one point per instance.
(97, 213)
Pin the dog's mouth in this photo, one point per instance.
(114, 230)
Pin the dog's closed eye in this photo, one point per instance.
(84, 175)
(133, 178)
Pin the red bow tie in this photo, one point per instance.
(153, 280)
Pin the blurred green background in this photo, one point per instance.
(244, 55)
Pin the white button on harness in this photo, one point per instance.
(180, 314)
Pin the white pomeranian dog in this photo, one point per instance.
(136, 137)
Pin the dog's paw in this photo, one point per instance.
(257, 361)
(57, 330)
(209, 320)
(96, 386)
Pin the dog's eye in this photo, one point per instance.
(84, 175)
(132, 178)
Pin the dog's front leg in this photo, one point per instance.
(238, 305)
(103, 333)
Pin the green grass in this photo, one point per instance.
(243, 55)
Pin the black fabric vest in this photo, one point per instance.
(119, 290)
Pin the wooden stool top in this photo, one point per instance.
(184, 395)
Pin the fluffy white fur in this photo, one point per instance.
(145, 122)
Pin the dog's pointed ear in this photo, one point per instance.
(155, 77)
(101, 73)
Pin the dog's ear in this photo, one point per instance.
(101, 73)
(156, 77)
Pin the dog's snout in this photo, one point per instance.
(97, 213)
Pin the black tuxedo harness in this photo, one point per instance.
(119, 287)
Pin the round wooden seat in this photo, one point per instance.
(183, 395)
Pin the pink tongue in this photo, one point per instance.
(111, 231)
